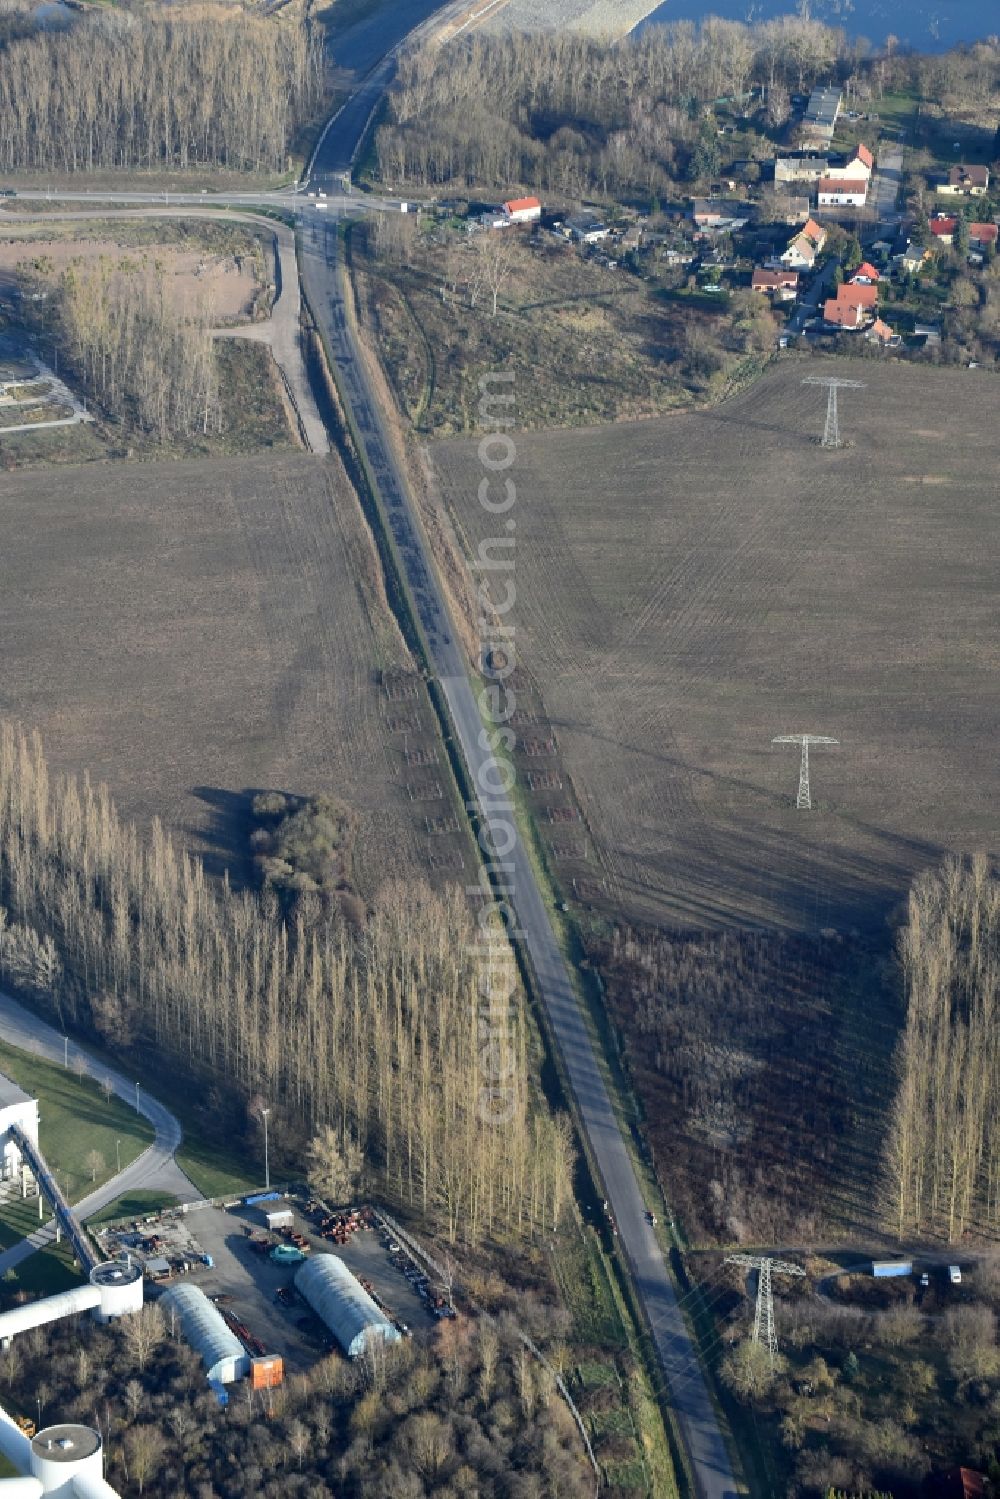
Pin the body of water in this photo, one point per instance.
(926, 25)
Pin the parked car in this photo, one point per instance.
(955, 1275)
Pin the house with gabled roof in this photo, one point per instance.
(943, 227)
(856, 167)
(966, 182)
(982, 236)
(865, 275)
(523, 210)
(881, 333)
(847, 315)
(851, 308)
(842, 192)
(782, 285)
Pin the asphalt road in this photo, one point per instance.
(155, 1169)
(325, 289)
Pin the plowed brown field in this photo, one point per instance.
(692, 586)
(192, 632)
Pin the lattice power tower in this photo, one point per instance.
(804, 801)
(763, 1322)
(831, 432)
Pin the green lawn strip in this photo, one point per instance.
(49, 1271)
(75, 1120)
(217, 1166)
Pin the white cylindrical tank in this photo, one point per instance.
(120, 1285)
(61, 1454)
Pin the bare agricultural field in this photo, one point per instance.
(192, 632)
(689, 587)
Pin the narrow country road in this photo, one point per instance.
(325, 286)
(156, 1169)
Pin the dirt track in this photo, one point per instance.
(692, 586)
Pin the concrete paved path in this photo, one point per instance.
(154, 1170)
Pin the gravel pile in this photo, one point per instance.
(609, 18)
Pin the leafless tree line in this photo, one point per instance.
(146, 91)
(380, 1032)
(944, 1170)
(465, 1412)
(147, 363)
(571, 115)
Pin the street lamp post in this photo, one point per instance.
(118, 1155)
(137, 1098)
(267, 1169)
(66, 1051)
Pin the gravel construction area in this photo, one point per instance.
(599, 18)
(245, 1282)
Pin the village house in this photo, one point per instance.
(792, 210)
(852, 307)
(857, 168)
(800, 168)
(782, 285)
(821, 115)
(713, 214)
(907, 256)
(966, 182)
(865, 275)
(881, 333)
(982, 236)
(943, 228)
(804, 247)
(586, 228)
(849, 316)
(522, 211)
(837, 192)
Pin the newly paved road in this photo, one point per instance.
(154, 1170)
(325, 290)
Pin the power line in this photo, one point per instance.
(831, 432)
(804, 799)
(763, 1322)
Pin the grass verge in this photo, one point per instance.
(85, 1137)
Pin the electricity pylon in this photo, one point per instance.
(831, 432)
(763, 1322)
(803, 801)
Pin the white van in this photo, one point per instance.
(955, 1275)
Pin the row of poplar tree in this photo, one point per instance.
(377, 1030)
(147, 92)
(944, 1171)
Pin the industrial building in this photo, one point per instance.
(342, 1302)
(113, 1290)
(821, 114)
(16, 1108)
(203, 1326)
(65, 1461)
